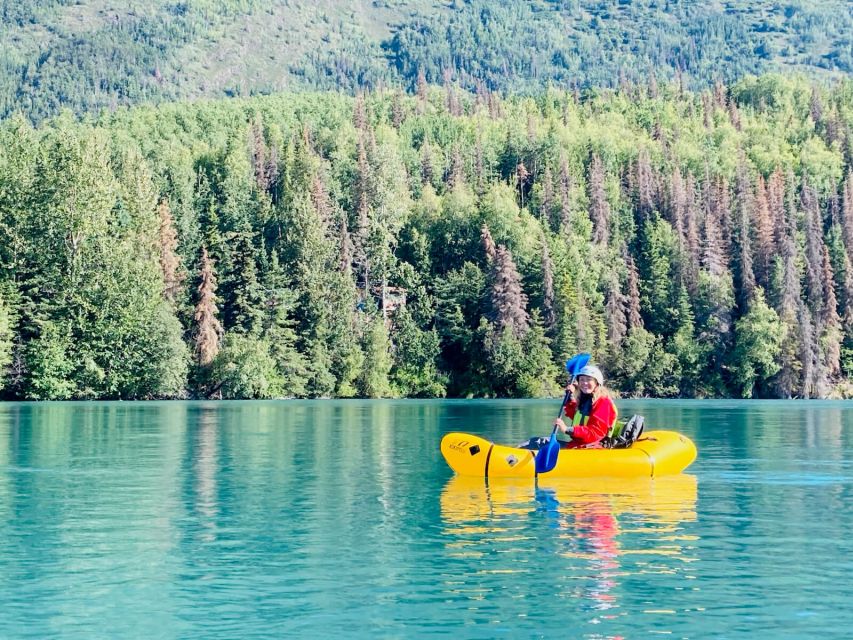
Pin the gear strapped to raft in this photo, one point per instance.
(623, 434)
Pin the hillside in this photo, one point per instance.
(92, 54)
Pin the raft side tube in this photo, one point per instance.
(470, 455)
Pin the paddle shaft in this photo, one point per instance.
(562, 407)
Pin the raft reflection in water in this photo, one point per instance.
(588, 536)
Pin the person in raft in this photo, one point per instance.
(590, 410)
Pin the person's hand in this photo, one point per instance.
(572, 388)
(570, 431)
(561, 425)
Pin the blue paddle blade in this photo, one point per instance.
(546, 457)
(576, 363)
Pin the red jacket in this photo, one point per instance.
(600, 419)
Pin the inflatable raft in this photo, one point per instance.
(656, 453)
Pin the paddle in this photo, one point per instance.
(546, 457)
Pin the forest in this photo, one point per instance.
(437, 243)
(92, 55)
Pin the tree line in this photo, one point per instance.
(435, 243)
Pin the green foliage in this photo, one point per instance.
(657, 253)
(415, 372)
(683, 345)
(49, 363)
(290, 363)
(6, 337)
(758, 340)
(373, 381)
(91, 281)
(245, 368)
(346, 267)
(645, 368)
(517, 366)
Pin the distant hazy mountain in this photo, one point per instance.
(92, 54)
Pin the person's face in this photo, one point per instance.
(587, 384)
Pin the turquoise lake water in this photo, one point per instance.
(340, 519)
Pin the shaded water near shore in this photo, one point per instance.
(340, 519)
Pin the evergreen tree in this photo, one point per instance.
(788, 379)
(549, 314)
(658, 246)
(762, 223)
(678, 205)
(244, 292)
(692, 225)
(635, 319)
(508, 300)
(6, 338)
(715, 254)
(170, 261)
(565, 213)
(373, 381)
(743, 242)
(714, 310)
(813, 254)
(830, 322)
(280, 333)
(599, 209)
(847, 212)
(811, 380)
(617, 323)
(757, 345)
(646, 186)
(415, 373)
(547, 199)
(776, 189)
(684, 347)
(208, 330)
(488, 245)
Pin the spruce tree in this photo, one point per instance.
(776, 189)
(742, 240)
(714, 253)
(6, 338)
(692, 225)
(599, 208)
(508, 300)
(762, 223)
(548, 312)
(207, 329)
(757, 345)
(373, 381)
(847, 212)
(565, 212)
(830, 321)
(646, 186)
(170, 261)
(814, 258)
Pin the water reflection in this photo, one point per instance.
(586, 538)
(206, 469)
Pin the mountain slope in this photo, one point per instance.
(91, 54)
